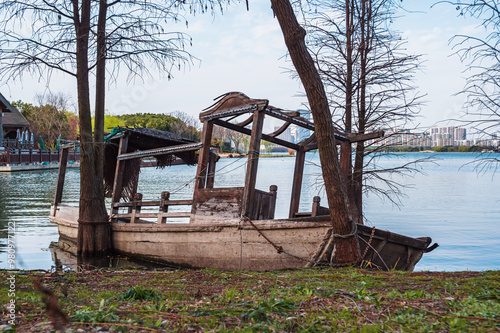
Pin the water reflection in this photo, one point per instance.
(449, 203)
(25, 203)
(64, 257)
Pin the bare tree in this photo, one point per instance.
(60, 101)
(222, 134)
(50, 118)
(481, 54)
(237, 139)
(189, 120)
(369, 80)
(78, 37)
(340, 247)
(191, 126)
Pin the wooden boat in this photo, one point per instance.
(226, 228)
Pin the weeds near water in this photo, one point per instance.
(103, 314)
(138, 294)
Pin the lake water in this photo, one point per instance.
(448, 201)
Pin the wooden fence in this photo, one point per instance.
(34, 156)
(133, 209)
(16, 144)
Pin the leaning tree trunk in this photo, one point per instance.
(93, 226)
(338, 250)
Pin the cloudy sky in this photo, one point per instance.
(244, 51)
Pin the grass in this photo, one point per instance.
(308, 300)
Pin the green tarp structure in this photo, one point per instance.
(42, 145)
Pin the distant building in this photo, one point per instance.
(436, 136)
(12, 121)
(286, 135)
(448, 136)
(303, 133)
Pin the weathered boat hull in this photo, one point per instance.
(242, 246)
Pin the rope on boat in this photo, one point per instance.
(280, 249)
(376, 252)
(354, 232)
(368, 244)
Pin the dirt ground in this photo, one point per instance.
(309, 300)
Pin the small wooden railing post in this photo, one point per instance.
(315, 206)
(136, 207)
(211, 170)
(272, 204)
(165, 196)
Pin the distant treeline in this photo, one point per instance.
(51, 119)
(181, 124)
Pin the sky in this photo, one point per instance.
(244, 51)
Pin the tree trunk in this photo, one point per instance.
(100, 104)
(357, 178)
(93, 226)
(349, 93)
(344, 251)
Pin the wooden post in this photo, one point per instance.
(253, 162)
(135, 209)
(118, 182)
(297, 182)
(163, 207)
(211, 170)
(272, 205)
(201, 172)
(60, 177)
(315, 207)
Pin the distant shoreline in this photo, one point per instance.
(261, 155)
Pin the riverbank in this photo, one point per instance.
(310, 300)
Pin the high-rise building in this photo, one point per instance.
(286, 135)
(304, 133)
(448, 136)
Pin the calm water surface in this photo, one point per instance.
(448, 201)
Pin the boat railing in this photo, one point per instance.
(317, 209)
(264, 204)
(228, 202)
(134, 209)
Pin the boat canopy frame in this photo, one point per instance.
(132, 144)
(231, 105)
